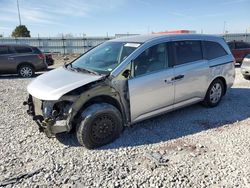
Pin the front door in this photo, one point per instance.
(4, 58)
(151, 88)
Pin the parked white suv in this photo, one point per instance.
(127, 80)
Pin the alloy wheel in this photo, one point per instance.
(215, 93)
(26, 72)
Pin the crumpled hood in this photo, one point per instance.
(54, 84)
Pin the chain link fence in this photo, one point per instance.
(79, 45)
(58, 45)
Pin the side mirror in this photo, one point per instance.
(126, 73)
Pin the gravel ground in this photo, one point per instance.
(191, 147)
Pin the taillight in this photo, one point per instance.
(41, 56)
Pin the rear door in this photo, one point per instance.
(191, 72)
(151, 89)
(24, 54)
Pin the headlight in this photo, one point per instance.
(56, 110)
(47, 108)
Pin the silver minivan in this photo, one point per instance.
(127, 80)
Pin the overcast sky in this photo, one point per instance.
(99, 17)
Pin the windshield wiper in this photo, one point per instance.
(66, 65)
(78, 69)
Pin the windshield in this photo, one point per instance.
(105, 57)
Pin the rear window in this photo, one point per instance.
(22, 49)
(36, 50)
(213, 50)
(187, 51)
(4, 50)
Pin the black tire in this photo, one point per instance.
(98, 125)
(217, 88)
(26, 71)
(246, 77)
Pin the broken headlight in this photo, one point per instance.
(56, 110)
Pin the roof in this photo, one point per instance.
(146, 38)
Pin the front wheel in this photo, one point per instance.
(99, 124)
(214, 93)
(26, 71)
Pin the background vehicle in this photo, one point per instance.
(127, 80)
(239, 50)
(245, 67)
(49, 58)
(21, 59)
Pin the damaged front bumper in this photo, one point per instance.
(50, 126)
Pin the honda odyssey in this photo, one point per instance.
(127, 80)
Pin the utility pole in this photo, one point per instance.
(17, 2)
(246, 36)
(224, 28)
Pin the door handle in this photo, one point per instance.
(178, 77)
(168, 81)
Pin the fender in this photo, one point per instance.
(100, 90)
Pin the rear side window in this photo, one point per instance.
(4, 50)
(187, 51)
(22, 49)
(213, 50)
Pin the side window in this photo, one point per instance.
(213, 50)
(152, 59)
(21, 49)
(187, 51)
(240, 45)
(4, 50)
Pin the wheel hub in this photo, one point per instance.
(215, 93)
(26, 72)
(103, 127)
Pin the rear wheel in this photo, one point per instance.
(99, 124)
(214, 93)
(26, 71)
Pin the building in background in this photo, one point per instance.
(182, 31)
(124, 35)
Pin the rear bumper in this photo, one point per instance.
(49, 125)
(41, 66)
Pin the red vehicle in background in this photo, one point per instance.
(49, 59)
(239, 50)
